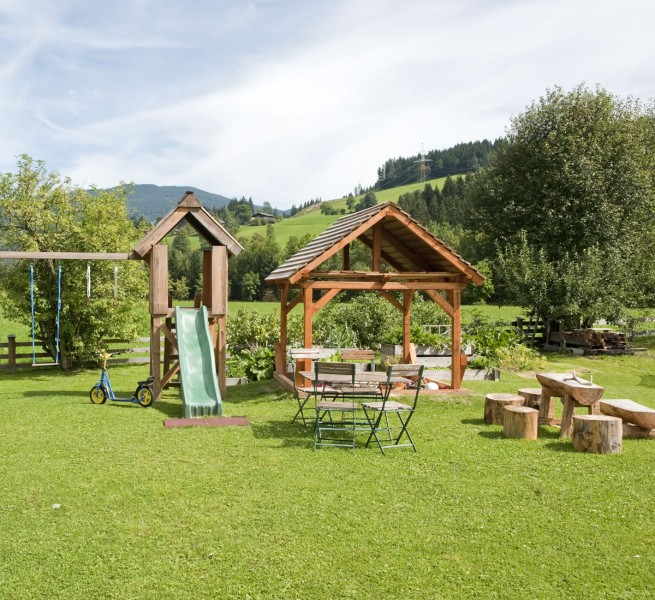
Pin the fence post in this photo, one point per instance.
(11, 347)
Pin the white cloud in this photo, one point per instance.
(285, 101)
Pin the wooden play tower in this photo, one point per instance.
(149, 249)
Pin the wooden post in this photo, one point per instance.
(455, 299)
(307, 317)
(158, 309)
(377, 240)
(214, 293)
(281, 348)
(11, 351)
(345, 257)
(168, 346)
(408, 297)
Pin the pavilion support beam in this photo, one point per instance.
(281, 350)
(307, 317)
(377, 247)
(324, 299)
(345, 258)
(455, 298)
(408, 296)
(389, 298)
(441, 301)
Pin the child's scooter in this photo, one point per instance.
(102, 390)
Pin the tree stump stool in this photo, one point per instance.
(520, 422)
(599, 434)
(532, 397)
(494, 405)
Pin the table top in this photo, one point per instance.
(582, 391)
(360, 377)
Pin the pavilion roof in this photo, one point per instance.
(405, 245)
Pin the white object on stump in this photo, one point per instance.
(599, 434)
(531, 395)
(494, 405)
(520, 422)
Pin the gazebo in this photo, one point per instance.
(414, 258)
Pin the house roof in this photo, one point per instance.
(405, 245)
(189, 208)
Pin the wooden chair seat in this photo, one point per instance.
(391, 405)
(336, 405)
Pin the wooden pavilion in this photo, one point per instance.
(405, 257)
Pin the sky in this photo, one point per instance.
(285, 101)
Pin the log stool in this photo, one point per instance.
(494, 405)
(599, 434)
(520, 422)
(532, 397)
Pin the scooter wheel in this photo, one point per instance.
(98, 394)
(144, 396)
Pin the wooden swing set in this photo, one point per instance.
(155, 254)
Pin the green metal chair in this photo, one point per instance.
(377, 411)
(305, 396)
(334, 415)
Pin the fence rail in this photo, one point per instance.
(11, 355)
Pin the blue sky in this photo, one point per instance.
(288, 100)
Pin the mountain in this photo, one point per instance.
(154, 201)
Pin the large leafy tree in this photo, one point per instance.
(40, 211)
(568, 205)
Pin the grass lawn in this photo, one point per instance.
(103, 502)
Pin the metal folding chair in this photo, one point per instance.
(305, 395)
(377, 411)
(334, 415)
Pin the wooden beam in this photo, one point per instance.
(441, 301)
(159, 280)
(68, 255)
(407, 314)
(413, 258)
(345, 257)
(220, 352)
(400, 275)
(377, 236)
(324, 299)
(338, 246)
(307, 320)
(281, 349)
(456, 367)
(387, 296)
(381, 285)
(388, 259)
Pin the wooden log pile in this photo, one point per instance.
(593, 339)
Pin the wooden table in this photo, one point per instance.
(573, 392)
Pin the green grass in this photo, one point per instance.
(103, 502)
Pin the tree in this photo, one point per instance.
(247, 272)
(573, 188)
(40, 211)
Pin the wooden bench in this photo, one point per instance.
(638, 420)
(355, 354)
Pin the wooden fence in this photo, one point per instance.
(18, 355)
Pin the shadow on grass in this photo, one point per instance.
(563, 445)
(647, 381)
(291, 434)
(171, 410)
(491, 435)
(472, 421)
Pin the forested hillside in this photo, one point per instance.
(462, 158)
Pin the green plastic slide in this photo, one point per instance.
(200, 393)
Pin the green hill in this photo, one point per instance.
(312, 221)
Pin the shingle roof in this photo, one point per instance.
(405, 244)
